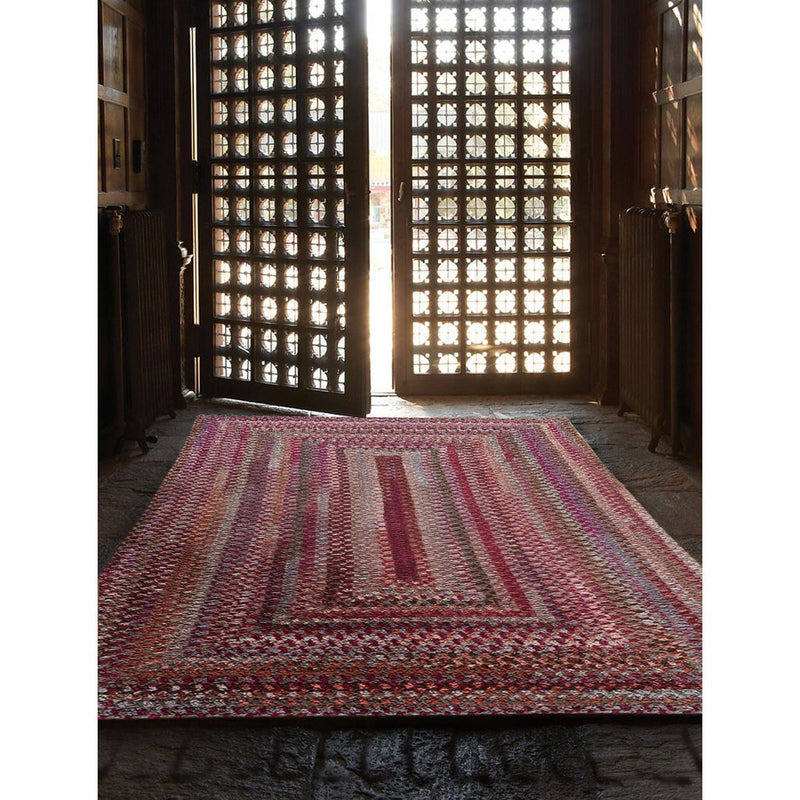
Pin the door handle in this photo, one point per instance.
(401, 191)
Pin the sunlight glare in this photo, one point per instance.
(380, 299)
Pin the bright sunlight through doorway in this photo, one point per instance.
(379, 14)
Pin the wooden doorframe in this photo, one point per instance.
(614, 77)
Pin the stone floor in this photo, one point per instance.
(574, 758)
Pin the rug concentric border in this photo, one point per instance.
(334, 567)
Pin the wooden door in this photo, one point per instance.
(490, 184)
(283, 206)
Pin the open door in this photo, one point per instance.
(490, 223)
(282, 202)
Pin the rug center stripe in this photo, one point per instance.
(399, 516)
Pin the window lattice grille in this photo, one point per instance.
(278, 194)
(491, 214)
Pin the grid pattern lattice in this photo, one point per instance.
(491, 213)
(278, 192)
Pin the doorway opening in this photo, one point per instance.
(379, 14)
(477, 279)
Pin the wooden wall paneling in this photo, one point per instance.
(670, 170)
(679, 85)
(162, 141)
(672, 33)
(113, 48)
(694, 40)
(647, 111)
(100, 154)
(137, 158)
(671, 145)
(115, 160)
(136, 71)
(122, 105)
(693, 145)
(122, 182)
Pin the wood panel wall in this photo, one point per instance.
(671, 102)
(647, 151)
(121, 181)
(122, 104)
(670, 168)
(144, 162)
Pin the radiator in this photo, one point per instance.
(644, 319)
(148, 330)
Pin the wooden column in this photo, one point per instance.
(615, 23)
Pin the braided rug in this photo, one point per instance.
(312, 566)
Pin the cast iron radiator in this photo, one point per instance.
(644, 319)
(147, 326)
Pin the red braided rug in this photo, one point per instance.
(295, 566)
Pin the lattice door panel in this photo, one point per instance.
(285, 203)
(485, 234)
